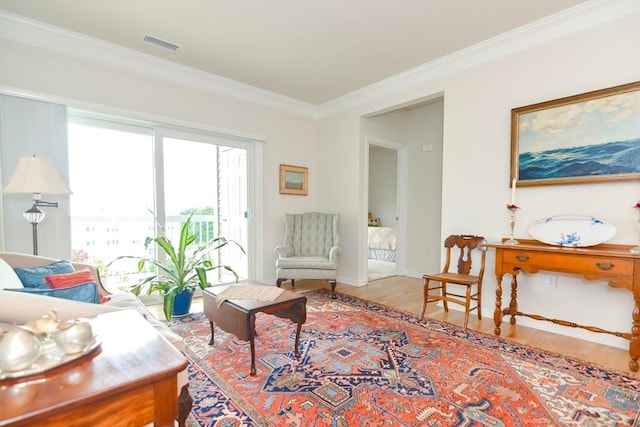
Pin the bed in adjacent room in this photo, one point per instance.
(382, 243)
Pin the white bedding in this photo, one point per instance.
(382, 243)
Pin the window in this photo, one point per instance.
(124, 175)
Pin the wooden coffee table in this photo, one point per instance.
(238, 316)
(131, 379)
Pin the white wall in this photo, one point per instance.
(383, 173)
(18, 138)
(476, 162)
(290, 139)
(477, 104)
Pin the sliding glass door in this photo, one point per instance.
(131, 181)
(209, 181)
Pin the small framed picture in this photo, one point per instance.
(294, 180)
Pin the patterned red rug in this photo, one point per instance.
(366, 365)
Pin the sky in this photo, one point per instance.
(614, 118)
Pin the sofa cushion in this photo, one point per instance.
(57, 281)
(34, 277)
(8, 278)
(86, 292)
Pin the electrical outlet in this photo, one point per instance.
(551, 282)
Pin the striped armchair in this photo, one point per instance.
(310, 248)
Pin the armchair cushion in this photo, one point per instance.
(34, 277)
(85, 292)
(313, 262)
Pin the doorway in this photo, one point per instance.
(384, 205)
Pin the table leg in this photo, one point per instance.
(634, 344)
(513, 305)
(212, 329)
(296, 348)
(252, 342)
(497, 312)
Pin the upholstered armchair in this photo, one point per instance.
(310, 248)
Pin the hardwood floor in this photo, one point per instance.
(405, 294)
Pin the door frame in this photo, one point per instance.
(401, 199)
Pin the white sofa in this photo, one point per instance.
(19, 308)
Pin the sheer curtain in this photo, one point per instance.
(29, 127)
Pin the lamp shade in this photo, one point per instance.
(36, 175)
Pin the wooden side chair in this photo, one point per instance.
(467, 245)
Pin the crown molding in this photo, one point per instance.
(578, 18)
(48, 37)
(586, 15)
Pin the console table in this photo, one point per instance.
(602, 262)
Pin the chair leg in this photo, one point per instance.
(467, 304)
(479, 300)
(444, 296)
(333, 287)
(279, 282)
(426, 296)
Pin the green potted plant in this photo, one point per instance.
(183, 270)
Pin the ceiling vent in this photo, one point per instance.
(161, 43)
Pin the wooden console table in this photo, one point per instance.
(602, 262)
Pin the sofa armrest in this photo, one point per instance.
(21, 307)
(15, 259)
(334, 252)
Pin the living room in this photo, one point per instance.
(590, 49)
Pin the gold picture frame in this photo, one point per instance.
(585, 138)
(294, 180)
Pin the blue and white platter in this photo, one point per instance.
(572, 230)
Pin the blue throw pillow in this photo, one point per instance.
(33, 277)
(87, 292)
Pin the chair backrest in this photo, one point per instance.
(466, 244)
(311, 233)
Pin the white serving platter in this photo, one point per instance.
(572, 230)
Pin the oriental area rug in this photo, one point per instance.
(363, 364)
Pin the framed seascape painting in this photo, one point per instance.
(293, 180)
(591, 137)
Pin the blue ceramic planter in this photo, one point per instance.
(182, 304)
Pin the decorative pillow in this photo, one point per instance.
(8, 278)
(58, 281)
(34, 277)
(87, 292)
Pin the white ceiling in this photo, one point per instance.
(310, 50)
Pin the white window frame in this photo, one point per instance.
(161, 130)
